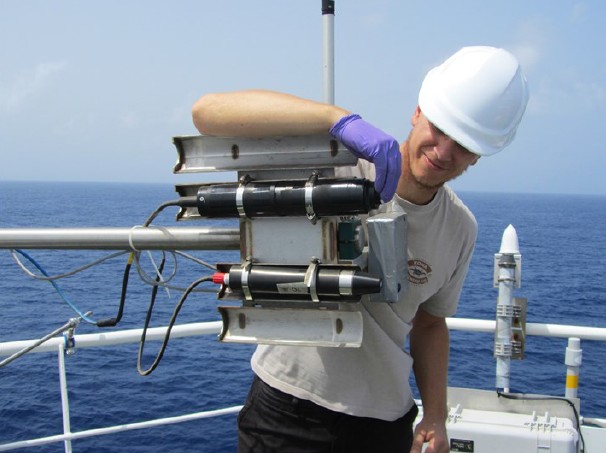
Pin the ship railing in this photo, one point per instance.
(58, 345)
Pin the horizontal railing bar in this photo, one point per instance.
(115, 338)
(139, 238)
(536, 329)
(119, 428)
(214, 327)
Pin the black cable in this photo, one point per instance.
(549, 398)
(112, 322)
(182, 202)
(171, 324)
(148, 316)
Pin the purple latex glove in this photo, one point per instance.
(367, 142)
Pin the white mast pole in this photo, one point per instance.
(328, 51)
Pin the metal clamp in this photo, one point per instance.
(69, 338)
(507, 261)
(345, 283)
(502, 350)
(240, 194)
(311, 278)
(505, 311)
(245, 274)
(309, 206)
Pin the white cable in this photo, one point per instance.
(67, 274)
(196, 260)
(148, 278)
(130, 238)
(159, 274)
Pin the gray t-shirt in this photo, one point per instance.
(373, 380)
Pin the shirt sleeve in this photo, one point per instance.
(444, 303)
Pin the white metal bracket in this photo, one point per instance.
(286, 326)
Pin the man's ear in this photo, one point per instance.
(475, 160)
(415, 116)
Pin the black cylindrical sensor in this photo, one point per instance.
(329, 283)
(320, 198)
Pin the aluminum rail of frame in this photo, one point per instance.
(139, 238)
(202, 153)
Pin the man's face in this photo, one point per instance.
(433, 157)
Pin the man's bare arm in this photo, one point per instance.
(429, 347)
(261, 113)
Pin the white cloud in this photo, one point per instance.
(28, 84)
(528, 55)
(565, 94)
(532, 40)
(76, 124)
(589, 94)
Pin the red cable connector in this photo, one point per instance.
(219, 278)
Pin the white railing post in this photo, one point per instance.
(64, 398)
(573, 360)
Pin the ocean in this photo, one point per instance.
(563, 245)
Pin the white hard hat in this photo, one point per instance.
(477, 97)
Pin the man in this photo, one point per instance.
(308, 399)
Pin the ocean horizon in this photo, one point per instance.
(221, 177)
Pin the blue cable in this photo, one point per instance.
(57, 288)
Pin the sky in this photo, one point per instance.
(95, 90)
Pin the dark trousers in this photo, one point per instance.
(272, 421)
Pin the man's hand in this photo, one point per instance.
(367, 142)
(432, 432)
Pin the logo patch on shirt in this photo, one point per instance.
(418, 272)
